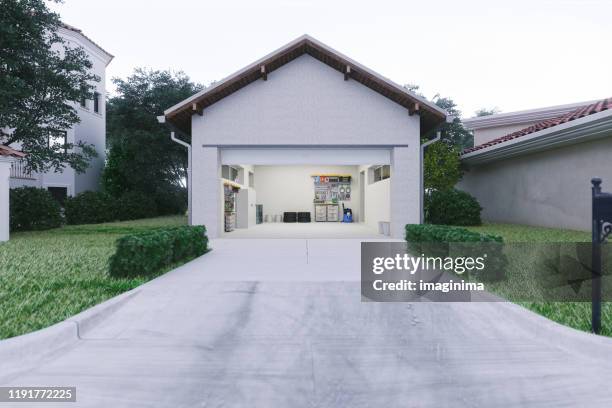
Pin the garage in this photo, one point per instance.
(305, 193)
(290, 144)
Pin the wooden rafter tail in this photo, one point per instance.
(413, 108)
(197, 109)
(347, 72)
(264, 73)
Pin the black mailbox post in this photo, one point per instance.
(602, 228)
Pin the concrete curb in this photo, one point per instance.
(557, 335)
(18, 354)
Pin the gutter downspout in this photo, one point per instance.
(422, 195)
(162, 119)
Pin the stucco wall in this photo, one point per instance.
(377, 196)
(305, 103)
(291, 188)
(551, 188)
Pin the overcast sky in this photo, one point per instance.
(515, 54)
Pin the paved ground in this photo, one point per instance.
(279, 323)
(275, 230)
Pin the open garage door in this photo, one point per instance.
(305, 192)
(293, 155)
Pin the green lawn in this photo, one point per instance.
(573, 314)
(48, 276)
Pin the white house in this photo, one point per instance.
(304, 130)
(91, 130)
(535, 167)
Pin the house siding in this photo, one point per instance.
(550, 189)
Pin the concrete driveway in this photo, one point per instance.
(279, 323)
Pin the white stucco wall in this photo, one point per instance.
(308, 104)
(305, 103)
(377, 196)
(551, 188)
(5, 167)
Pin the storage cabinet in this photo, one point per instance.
(332, 213)
(327, 212)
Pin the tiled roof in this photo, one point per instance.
(78, 30)
(578, 113)
(7, 151)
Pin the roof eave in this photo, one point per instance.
(590, 127)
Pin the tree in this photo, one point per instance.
(454, 132)
(42, 78)
(441, 166)
(487, 111)
(142, 157)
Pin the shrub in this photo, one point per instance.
(90, 207)
(134, 205)
(33, 208)
(146, 253)
(452, 207)
(443, 241)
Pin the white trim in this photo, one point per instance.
(524, 116)
(259, 62)
(8, 159)
(590, 127)
(305, 156)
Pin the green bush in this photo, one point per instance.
(452, 207)
(443, 241)
(33, 208)
(134, 205)
(147, 252)
(90, 207)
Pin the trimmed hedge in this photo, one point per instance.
(452, 207)
(443, 241)
(443, 233)
(90, 207)
(33, 209)
(145, 253)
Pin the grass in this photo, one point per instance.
(48, 276)
(572, 314)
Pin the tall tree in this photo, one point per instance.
(454, 132)
(42, 78)
(142, 157)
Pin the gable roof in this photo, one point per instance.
(578, 113)
(80, 32)
(180, 114)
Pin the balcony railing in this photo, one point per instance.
(19, 171)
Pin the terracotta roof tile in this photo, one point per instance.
(7, 151)
(578, 113)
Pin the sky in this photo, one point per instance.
(513, 55)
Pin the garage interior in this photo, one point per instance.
(305, 201)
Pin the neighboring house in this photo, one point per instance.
(267, 132)
(91, 129)
(540, 174)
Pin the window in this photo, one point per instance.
(251, 179)
(83, 102)
(59, 194)
(229, 173)
(57, 140)
(96, 100)
(381, 173)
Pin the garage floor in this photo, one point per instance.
(306, 230)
